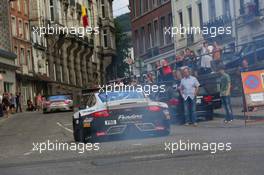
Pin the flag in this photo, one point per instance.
(84, 16)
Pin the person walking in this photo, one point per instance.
(39, 102)
(6, 104)
(225, 91)
(189, 88)
(18, 102)
(13, 103)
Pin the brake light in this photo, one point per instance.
(98, 134)
(153, 108)
(47, 103)
(208, 99)
(173, 102)
(103, 113)
(67, 101)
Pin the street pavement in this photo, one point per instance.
(130, 156)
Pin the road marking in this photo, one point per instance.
(137, 144)
(28, 153)
(67, 129)
(149, 156)
(67, 124)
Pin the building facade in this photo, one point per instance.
(77, 45)
(21, 46)
(203, 13)
(149, 20)
(250, 20)
(7, 57)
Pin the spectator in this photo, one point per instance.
(194, 63)
(38, 101)
(13, 103)
(189, 89)
(159, 73)
(167, 71)
(244, 66)
(179, 60)
(225, 90)
(216, 56)
(18, 102)
(6, 104)
(206, 59)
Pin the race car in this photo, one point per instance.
(119, 114)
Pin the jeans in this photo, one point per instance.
(226, 101)
(190, 110)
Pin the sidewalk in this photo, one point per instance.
(237, 106)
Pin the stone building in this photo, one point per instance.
(77, 46)
(7, 57)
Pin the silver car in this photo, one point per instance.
(58, 103)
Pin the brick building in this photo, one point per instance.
(149, 20)
(22, 47)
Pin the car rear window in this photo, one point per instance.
(114, 96)
(59, 97)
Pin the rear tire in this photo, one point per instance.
(78, 134)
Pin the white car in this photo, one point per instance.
(119, 114)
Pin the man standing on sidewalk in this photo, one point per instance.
(189, 89)
(225, 89)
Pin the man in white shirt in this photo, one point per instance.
(206, 58)
(189, 89)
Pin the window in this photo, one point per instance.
(51, 10)
(134, 8)
(105, 40)
(212, 10)
(15, 51)
(200, 10)
(19, 5)
(162, 26)
(226, 7)
(14, 26)
(142, 40)
(22, 56)
(146, 6)
(168, 36)
(26, 7)
(136, 42)
(150, 33)
(190, 16)
(20, 29)
(103, 8)
(8, 87)
(140, 7)
(156, 33)
(29, 60)
(27, 31)
(12, 4)
(54, 71)
(181, 22)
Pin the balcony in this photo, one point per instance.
(249, 13)
(220, 21)
(153, 52)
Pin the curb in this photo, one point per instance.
(239, 117)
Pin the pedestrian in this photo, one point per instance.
(189, 88)
(225, 91)
(18, 102)
(216, 56)
(159, 73)
(206, 58)
(167, 71)
(6, 104)
(13, 103)
(38, 101)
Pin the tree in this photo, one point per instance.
(118, 68)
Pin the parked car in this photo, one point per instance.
(55, 103)
(206, 102)
(121, 114)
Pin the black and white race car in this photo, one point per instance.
(119, 114)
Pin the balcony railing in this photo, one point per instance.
(249, 12)
(220, 21)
